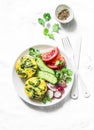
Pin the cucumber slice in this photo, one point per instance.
(47, 76)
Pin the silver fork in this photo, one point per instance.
(74, 92)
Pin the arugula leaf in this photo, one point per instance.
(47, 16)
(41, 21)
(56, 27)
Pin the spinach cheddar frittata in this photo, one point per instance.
(26, 67)
(35, 88)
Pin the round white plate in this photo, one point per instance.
(19, 84)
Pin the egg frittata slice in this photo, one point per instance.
(35, 88)
(26, 67)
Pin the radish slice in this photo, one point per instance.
(57, 94)
(62, 83)
(51, 87)
(60, 88)
(50, 93)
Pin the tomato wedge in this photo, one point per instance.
(50, 55)
(57, 63)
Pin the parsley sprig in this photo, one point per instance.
(46, 31)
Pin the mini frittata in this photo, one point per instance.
(35, 88)
(26, 67)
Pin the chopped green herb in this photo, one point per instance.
(56, 27)
(51, 36)
(59, 62)
(59, 75)
(46, 98)
(47, 16)
(64, 70)
(68, 79)
(41, 21)
(69, 72)
(34, 52)
(45, 31)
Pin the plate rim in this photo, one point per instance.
(35, 103)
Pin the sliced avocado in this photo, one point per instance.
(42, 66)
(47, 76)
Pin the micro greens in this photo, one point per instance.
(67, 73)
(34, 52)
(59, 62)
(41, 21)
(56, 27)
(48, 31)
(45, 99)
(64, 74)
(45, 31)
(47, 16)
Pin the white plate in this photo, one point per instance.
(19, 84)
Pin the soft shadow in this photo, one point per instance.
(49, 108)
(70, 27)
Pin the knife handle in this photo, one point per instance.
(84, 88)
(74, 90)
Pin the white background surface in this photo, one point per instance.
(17, 32)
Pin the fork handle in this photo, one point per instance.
(74, 90)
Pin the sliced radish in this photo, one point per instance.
(57, 94)
(60, 88)
(50, 93)
(51, 87)
(62, 83)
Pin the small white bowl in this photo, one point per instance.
(61, 7)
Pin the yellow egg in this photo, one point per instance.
(35, 88)
(26, 67)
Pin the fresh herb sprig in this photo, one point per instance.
(46, 31)
(67, 73)
(34, 52)
(64, 74)
(46, 98)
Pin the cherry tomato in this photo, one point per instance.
(57, 63)
(50, 55)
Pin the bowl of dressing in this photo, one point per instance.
(63, 14)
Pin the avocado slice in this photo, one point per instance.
(42, 66)
(47, 76)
